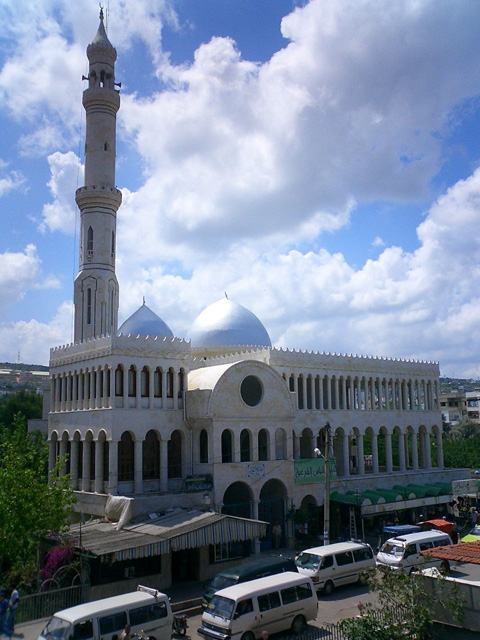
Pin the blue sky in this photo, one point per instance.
(318, 160)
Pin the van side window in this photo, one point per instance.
(425, 545)
(269, 601)
(362, 554)
(410, 550)
(344, 558)
(243, 607)
(441, 543)
(113, 622)
(327, 562)
(83, 630)
(300, 592)
(148, 614)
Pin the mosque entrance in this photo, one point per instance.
(271, 509)
(237, 501)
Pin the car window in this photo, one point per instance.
(300, 592)
(344, 558)
(243, 607)
(269, 601)
(83, 630)
(410, 550)
(150, 613)
(441, 543)
(113, 622)
(362, 554)
(425, 545)
(327, 562)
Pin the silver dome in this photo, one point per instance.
(146, 323)
(227, 323)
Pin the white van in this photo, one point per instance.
(335, 564)
(275, 603)
(403, 552)
(145, 610)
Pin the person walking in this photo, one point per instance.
(3, 610)
(9, 626)
(277, 535)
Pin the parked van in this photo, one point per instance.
(335, 564)
(144, 610)
(277, 603)
(260, 568)
(403, 552)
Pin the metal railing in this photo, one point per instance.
(44, 604)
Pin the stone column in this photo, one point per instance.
(52, 454)
(99, 466)
(304, 392)
(401, 451)
(86, 465)
(164, 465)
(138, 387)
(175, 390)
(414, 452)
(91, 404)
(106, 380)
(329, 392)
(437, 396)
(296, 447)
(388, 452)
(111, 396)
(113, 466)
(256, 541)
(346, 455)
(440, 463)
(360, 457)
(63, 451)
(125, 388)
(375, 453)
(344, 404)
(337, 393)
(164, 389)
(151, 388)
(320, 392)
(80, 390)
(236, 453)
(138, 470)
(74, 463)
(98, 391)
(428, 453)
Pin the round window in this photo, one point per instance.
(251, 391)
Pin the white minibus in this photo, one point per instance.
(403, 552)
(276, 603)
(335, 564)
(145, 610)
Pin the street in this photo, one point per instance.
(342, 603)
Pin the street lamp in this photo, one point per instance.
(326, 500)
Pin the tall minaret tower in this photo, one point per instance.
(96, 286)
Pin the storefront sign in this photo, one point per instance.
(256, 470)
(198, 483)
(465, 487)
(312, 470)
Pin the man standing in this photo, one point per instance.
(12, 608)
(277, 535)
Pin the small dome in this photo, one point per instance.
(146, 323)
(227, 323)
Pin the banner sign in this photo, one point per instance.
(198, 483)
(312, 470)
(465, 487)
(256, 470)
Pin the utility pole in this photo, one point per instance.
(326, 500)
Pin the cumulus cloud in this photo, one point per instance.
(66, 175)
(9, 180)
(19, 272)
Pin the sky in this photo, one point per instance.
(318, 161)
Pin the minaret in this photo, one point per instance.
(96, 286)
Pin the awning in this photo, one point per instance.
(172, 532)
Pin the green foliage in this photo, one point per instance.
(31, 503)
(24, 402)
(462, 453)
(403, 610)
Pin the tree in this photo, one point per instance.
(32, 502)
(403, 604)
(29, 404)
(462, 453)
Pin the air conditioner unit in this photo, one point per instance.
(129, 572)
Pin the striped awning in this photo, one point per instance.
(176, 531)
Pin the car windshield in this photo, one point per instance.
(392, 549)
(222, 582)
(57, 629)
(308, 561)
(220, 606)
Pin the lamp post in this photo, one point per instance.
(326, 501)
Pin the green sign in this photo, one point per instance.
(312, 470)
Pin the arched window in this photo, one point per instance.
(174, 450)
(203, 446)
(106, 460)
(300, 383)
(92, 459)
(245, 449)
(113, 244)
(102, 78)
(89, 306)
(132, 382)
(151, 456)
(181, 378)
(80, 459)
(291, 383)
(145, 382)
(119, 381)
(227, 446)
(263, 444)
(126, 462)
(170, 383)
(89, 240)
(157, 383)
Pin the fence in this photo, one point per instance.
(42, 605)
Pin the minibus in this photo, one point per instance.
(403, 552)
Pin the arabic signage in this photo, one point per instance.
(256, 470)
(465, 487)
(312, 470)
(198, 483)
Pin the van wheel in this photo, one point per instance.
(298, 625)
(248, 636)
(328, 587)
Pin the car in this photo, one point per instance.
(473, 536)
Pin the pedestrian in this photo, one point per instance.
(9, 626)
(473, 516)
(277, 535)
(3, 610)
(126, 633)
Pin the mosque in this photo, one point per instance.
(215, 435)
